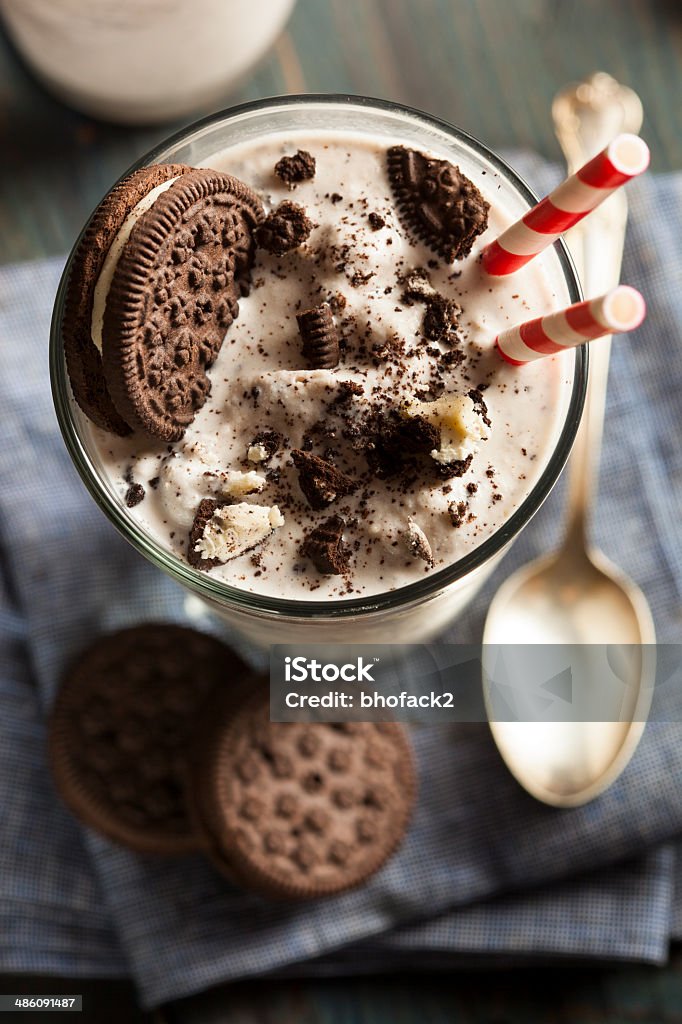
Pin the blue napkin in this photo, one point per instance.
(485, 870)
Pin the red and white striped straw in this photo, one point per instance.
(623, 159)
(621, 309)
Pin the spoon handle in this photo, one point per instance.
(586, 116)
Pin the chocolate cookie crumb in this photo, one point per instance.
(284, 229)
(264, 446)
(347, 390)
(359, 278)
(388, 349)
(336, 197)
(453, 357)
(134, 495)
(456, 468)
(479, 405)
(338, 302)
(319, 336)
(457, 510)
(320, 482)
(325, 548)
(376, 221)
(441, 317)
(296, 168)
(417, 286)
(418, 434)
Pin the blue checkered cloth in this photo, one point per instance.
(486, 872)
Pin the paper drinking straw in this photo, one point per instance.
(623, 159)
(621, 309)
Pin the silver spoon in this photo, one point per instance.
(577, 596)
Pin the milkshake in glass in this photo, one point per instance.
(359, 487)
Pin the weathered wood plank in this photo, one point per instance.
(491, 66)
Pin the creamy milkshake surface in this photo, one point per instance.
(478, 432)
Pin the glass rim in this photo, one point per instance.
(215, 590)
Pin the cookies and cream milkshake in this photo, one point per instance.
(428, 439)
(284, 350)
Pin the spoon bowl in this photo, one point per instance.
(580, 601)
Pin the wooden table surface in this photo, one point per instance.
(491, 66)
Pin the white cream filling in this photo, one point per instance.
(186, 478)
(233, 529)
(235, 483)
(106, 274)
(257, 453)
(460, 427)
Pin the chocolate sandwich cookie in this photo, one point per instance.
(121, 728)
(203, 811)
(83, 357)
(319, 336)
(152, 293)
(300, 810)
(437, 202)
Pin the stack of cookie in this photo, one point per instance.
(161, 740)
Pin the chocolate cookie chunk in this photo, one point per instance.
(394, 441)
(325, 548)
(223, 530)
(83, 358)
(417, 286)
(264, 445)
(173, 295)
(437, 202)
(480, 407)
(300, 811)
(296, 168)
(202, 517)
(441, 315)
(284, 229)
(448, 470)
(319, 336)
(321, 482)
(441, 318)
(134, 495)
(121, 727)
(458, 512)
